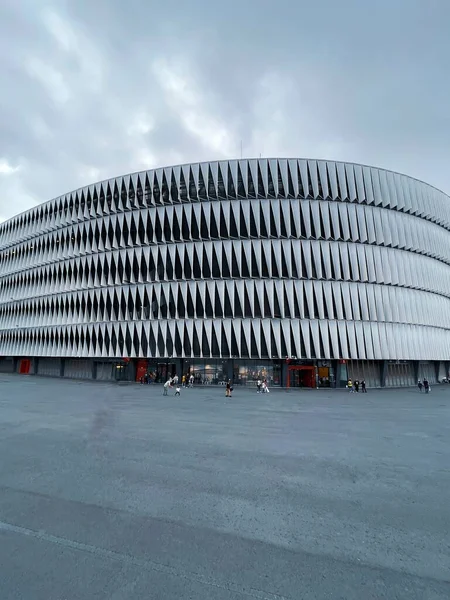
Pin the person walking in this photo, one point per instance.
(258, 386)
(363, 386)
(167, 386)
(356, 386)
(426, 386)
(177, 391)
(420, 385)
(183, 381)
(350, 385)
(228, 389)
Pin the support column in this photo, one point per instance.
(178, 367)
(229, 369)
(284, 374)
(437, 366)
(62, 364)
(131, 371)
(341, 374)
(383, 372)
(416, 370)
(94, 369)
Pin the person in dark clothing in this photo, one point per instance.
(363, 386)
(426, 386)
(356, 386)
(420, 385)
(228, 389)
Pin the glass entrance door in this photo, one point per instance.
(302, 376)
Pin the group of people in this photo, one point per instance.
(353, 386)
(173, 382)
(187, 380)
(424, 385)
(261, 387)
(170, 383)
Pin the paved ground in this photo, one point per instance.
(114, 492)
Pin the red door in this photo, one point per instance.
(301, 376)
(24, 367)
(141, 368)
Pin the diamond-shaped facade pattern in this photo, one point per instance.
(263, 258)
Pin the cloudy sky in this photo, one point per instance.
(96, 88)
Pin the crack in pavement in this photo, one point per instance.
(143, 563)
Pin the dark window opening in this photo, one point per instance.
(245, 272)
(187, 266)
(156, 191)
(206, 351)
(206, 267)
(270, 185)
(167, 228)
(196, 267)
(231, 188)
(264, 349)
(174, 189)
(209, 311)
(165, 193)
(183, 188)
(281, 190)
(226, 273)
(190, 304)
(211, 187)
(240, 183)
(253, 228)
(273, 226)
(187, 343)
(215, 266)
(201, 185)
(218, 305)
(251, 185)
(195, 233)
(242, 224)
(199, 310)
(192, 186)
(237, 304)
(214, 231)
(204, 233)
(262, 223)
(222, 192)
(176, 231)
(228, 310)
(195, 343)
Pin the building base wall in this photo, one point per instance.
(243, 372)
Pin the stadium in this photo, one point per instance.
(302, 272)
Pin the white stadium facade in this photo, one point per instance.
(303, 272)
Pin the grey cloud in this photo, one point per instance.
(345, 80)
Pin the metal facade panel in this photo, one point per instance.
(342, 183)
(74, 261)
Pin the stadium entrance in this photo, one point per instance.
(301, 376)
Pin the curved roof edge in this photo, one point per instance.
(207, 162)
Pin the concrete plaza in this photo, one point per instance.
(115, 492)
